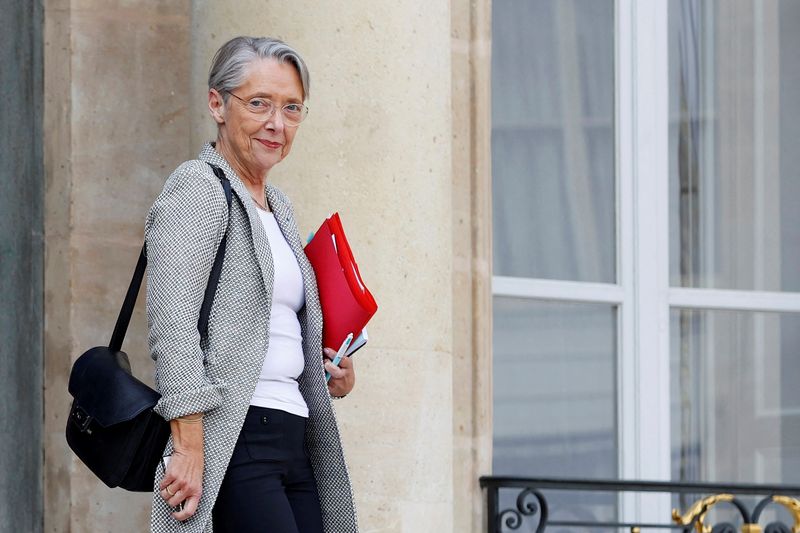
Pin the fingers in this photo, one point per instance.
(337, 372)
(346, 363)
(173, 495)
(328, 353)
(343, 377)
(184, 499)
(181, 491)
(189, 507)
(167, 481)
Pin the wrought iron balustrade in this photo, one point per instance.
(524, 505)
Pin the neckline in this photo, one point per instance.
(261, 209)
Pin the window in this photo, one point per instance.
(646, 234)
(734, 107)
(554, 204)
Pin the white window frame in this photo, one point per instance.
(643, 295)
(643, 174)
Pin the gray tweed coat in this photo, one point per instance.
(218, 375)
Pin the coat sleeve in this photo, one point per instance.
(183, 230)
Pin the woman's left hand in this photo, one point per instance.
(343, 377)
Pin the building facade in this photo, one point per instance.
(579, 219)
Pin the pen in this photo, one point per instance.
(342, 350)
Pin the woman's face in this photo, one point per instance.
(256, 145)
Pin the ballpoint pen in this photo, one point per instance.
(342, 350)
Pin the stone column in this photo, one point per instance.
(116, 123)
(376, 147)
(21, 259)
(472, 259)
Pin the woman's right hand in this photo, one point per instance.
(183, 480)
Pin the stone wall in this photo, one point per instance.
(390, 143)
(377, 148)
(472, 259)
(116, 124)
(21, 259)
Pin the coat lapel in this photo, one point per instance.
(260, 241)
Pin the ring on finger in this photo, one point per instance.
(169, 491)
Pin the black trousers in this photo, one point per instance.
(269, 486)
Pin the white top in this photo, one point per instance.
(277, 386)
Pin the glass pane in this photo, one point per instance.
(555, 395)
(735, 399)
(734, 75)
(553, 139)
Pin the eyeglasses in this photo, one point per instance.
(293, 114)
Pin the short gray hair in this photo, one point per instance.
(231, 60)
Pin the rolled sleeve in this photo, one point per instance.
(197, 400)
(183, 231)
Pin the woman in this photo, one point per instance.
(254, 443)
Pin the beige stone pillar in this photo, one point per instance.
(472, 260)
(377, 148)
(115, 124)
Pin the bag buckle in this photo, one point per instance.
(81, 418)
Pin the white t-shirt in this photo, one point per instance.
(277, 386)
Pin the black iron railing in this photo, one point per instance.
(525, 504)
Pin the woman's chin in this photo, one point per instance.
(266, 160)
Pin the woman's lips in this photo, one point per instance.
(270, 144)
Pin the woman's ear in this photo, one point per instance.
(216, 106)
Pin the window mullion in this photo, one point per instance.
(627, 391)
(735, 300)
(567, 291)
(650, 169)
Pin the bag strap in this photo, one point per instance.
(216, 269)
(124, 318)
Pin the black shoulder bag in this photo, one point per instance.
(111, 426)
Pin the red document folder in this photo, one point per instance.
(347, 304)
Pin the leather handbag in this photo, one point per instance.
(111, 426)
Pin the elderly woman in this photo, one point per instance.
(254, 443)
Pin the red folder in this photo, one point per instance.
(347, 304)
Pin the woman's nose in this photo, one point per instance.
(275, 122)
